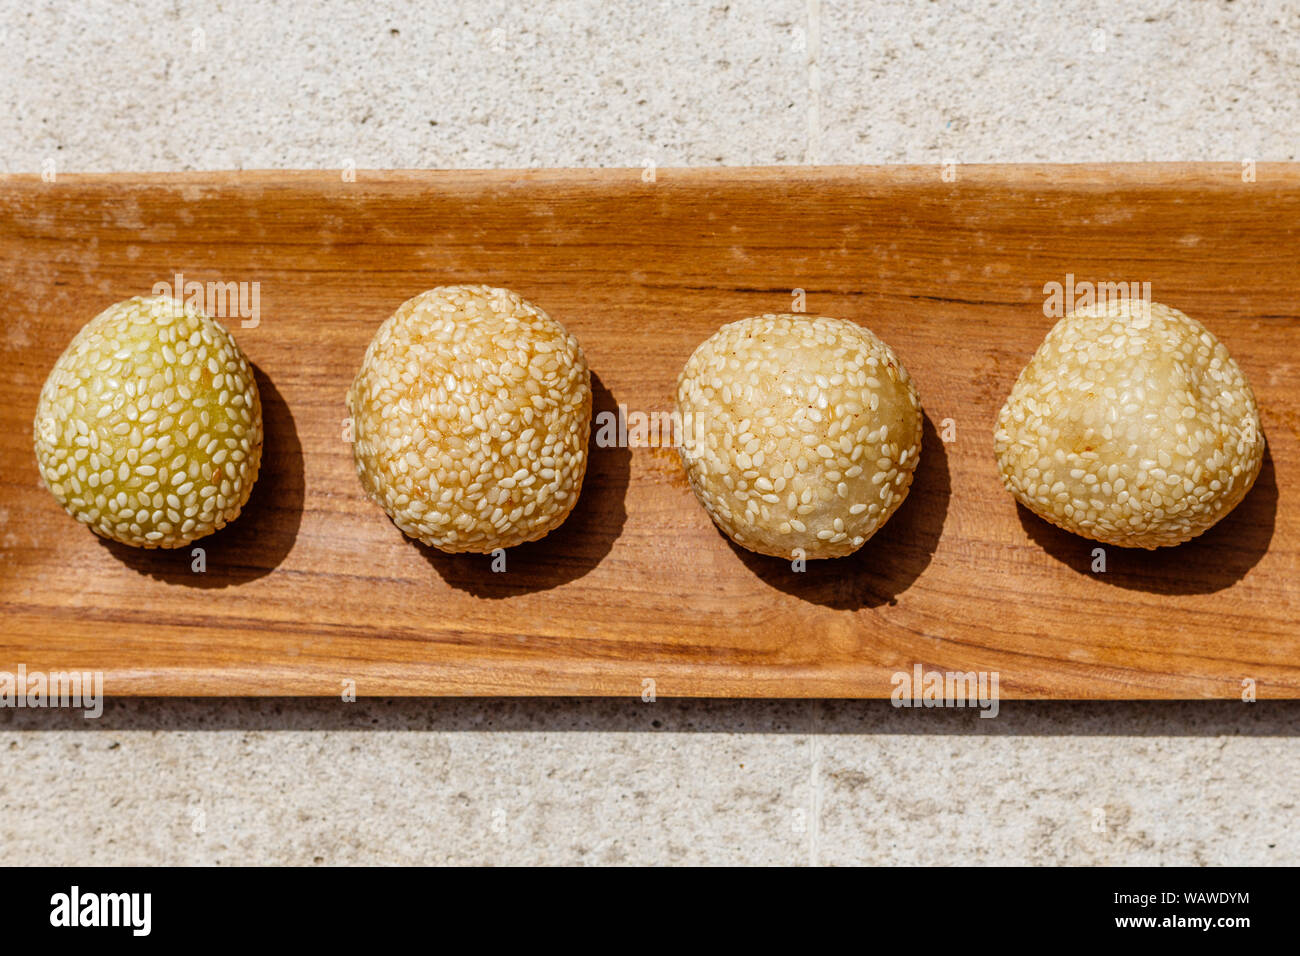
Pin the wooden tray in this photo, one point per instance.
(313, 586)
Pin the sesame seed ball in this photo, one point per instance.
(1131, 425)
(149, 427)
(472, 411)
(800, 433)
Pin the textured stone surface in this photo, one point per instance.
(461, 781)
(1073, 81)
(105, 86)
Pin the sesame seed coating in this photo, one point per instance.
(801, 433)
(472, 411)
(149, 427)
(1131, 425)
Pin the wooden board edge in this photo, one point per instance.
(1036, 175)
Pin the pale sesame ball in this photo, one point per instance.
(801, 433)
(149, 427)
(472, 411)
(1131, 425)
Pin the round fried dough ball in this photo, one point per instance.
(1131, 425)
(149, 427)
(472, 411)
(801, 433)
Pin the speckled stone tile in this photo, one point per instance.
(164, 85)
(1149, 783)
(460, 781)
(1077, 81)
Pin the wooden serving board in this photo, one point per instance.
(313, 586)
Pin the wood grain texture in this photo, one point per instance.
(313, 586)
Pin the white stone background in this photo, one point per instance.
(100, 86)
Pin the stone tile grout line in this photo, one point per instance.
(814, 14)
(815, 746)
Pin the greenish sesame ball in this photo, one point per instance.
(472, 411)
(149, 427)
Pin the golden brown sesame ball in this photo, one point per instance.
(472, 411)
(800, 433)
(1131, 425)
(149, 427)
